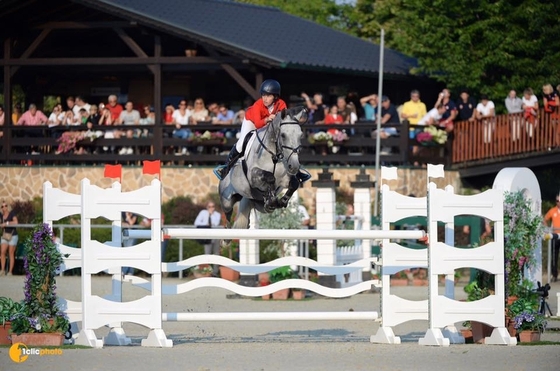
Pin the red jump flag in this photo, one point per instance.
(152, 167)
(113, 171)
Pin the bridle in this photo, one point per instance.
(278, 155)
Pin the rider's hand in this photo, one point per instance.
(270, 118)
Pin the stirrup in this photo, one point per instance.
(303, 176)
(220, 171)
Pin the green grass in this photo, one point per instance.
(541, 343)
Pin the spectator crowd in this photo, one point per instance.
(134, 120)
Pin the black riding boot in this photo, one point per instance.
(231, 160)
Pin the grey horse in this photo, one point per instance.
(268, 169)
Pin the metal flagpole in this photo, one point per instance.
(378, 137)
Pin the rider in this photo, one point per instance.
(257, 116)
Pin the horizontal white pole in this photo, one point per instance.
(141, 234)
(269, 316)
(287, 234)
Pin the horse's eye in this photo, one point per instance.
(283, 135)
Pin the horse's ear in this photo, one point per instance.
(283, 113)
(303, 116)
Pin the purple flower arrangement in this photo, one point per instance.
(529, 321)
(207, 136)
(40, 311)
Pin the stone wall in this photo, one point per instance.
(25, 183)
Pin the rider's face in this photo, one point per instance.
(268, 99)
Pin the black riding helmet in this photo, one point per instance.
(270, 87)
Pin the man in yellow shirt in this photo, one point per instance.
(553, 216)
(414, 109)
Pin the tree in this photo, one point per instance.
(326, 12)
(489, 47)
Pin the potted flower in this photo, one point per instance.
(527, 302)
(280, 274)
(529, 325)
(40, 321)
(202, 270)
(8, 309)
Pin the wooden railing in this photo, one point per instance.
(18, 144)
(504, 137)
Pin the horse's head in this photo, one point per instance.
(288, 133)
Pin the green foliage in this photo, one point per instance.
(521, 305)
(476, 292)
(489, 47)
(29, 212)
(18, 96)
(8, 309)
(190, 249)
(41, 262)
(326, 12)
(282, 273)
(231, 251)
(523, 229)
(180, 210)
(288, 218)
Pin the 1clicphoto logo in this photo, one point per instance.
(19, 352)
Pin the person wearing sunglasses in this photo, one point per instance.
(552, 218)
(9, 240)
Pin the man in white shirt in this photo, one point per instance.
(433, 116)
(210, 218)
(79, 104)
(485, 110)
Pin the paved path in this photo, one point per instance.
(297, 345)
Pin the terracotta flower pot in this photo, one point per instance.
(229, 274)
(510, 325)
(298, 294)
(54, 339)
(480, 331)
(467, 334)
(266, 297)
(281, 294)
(399, 282)
(5, 333)
(528, 336)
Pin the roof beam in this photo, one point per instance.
(134, 46)
(253, 92)
(115, 61)
(241, 81)
(31, 48)
(85, 25)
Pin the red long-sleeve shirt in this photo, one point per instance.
(258, 112)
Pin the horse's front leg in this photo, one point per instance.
(292, 187)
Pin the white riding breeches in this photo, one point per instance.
(246, 127)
